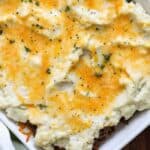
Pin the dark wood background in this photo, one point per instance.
(142, 142)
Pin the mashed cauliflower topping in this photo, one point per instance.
(73, 67)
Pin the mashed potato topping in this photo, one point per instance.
(73, 67)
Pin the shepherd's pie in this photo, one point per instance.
(73, 67)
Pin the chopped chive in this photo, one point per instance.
(48, 71)
(11, 41)
(67, 8)
(42, 106)
(1, 32)
(27, 49)
(37, 3)
(107, 57)
(97, 74)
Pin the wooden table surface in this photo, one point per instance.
(142, 142)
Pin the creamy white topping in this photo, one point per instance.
(73, 67)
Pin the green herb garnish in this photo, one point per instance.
(11, 41)
(26, 1)
(48, 71)
(27, 49)
(1, 32)
(37, 3)
(97, 74)
(67, 9)
(42, 106)
(107, 57)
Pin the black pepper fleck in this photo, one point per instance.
(1, 32)
(48, 71)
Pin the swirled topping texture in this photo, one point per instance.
(72, 67)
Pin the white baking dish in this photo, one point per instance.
(122, 136)
(126, 133)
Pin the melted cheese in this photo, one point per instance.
(100, 4)
(88, 44)
(8, 6)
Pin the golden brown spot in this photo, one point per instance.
(105, 87)
(77, 124)
(94, 4)
(117, 4)
(8, 6)
(122, 26)
(10, 63)
(101, 4)
(49, 3)
(132, 55)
